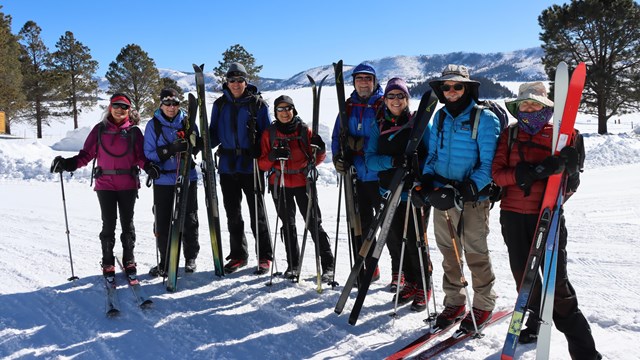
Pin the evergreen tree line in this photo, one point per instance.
(39, 85)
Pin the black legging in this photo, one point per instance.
(110, 202)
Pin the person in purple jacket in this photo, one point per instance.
(115, 146)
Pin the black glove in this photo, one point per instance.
(199, 146)
(418, 198)
(152, 170)
(571, 159)
(316, 140)
(524, 176)
(167, 151)
(279, 153)
(468, 191)
(340, 163)
(56, 165)
(549, 166)
(445, 198)
(61, 164)
(400, 161)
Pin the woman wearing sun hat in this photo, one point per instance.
(521, 167)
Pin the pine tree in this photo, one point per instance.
(38, 79)
(75, 68)
(237, 53)
(135, 74)
(605, 34)
(12, 98)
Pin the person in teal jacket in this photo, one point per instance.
(457, 172)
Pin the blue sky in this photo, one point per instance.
(286, 37)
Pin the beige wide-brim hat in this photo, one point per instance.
(532, 91)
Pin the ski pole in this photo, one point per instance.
(404, 242)
(255, 210)
(463, 280)
(66, 223)
(275, 235)
(333, 282)
(421, 236)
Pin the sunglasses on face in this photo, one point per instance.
(120, 106)
(399, 96)
(456, 87)
(170, 103)
(235, 80)
(284, 108)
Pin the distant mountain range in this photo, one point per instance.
(519, 65)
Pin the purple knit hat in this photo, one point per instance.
(396, 84)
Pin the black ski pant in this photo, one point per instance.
(163, 198)
(233, 186)
(518, 231)
(287, 215)
(368, 203)
(110, 203)
(411, 262)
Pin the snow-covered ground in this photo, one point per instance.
(238, 317)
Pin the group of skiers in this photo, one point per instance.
(453, 170)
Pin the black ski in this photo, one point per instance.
(350, 189)
(209, 176)
(180, 197)
(134, 284)
(384, 218)
(312, 193)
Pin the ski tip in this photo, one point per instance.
(146, 304)
(113, 313)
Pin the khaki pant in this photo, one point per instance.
(476, 253)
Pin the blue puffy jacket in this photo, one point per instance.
(168, 134)
(454, 155)
(229, 128)
(361, 121)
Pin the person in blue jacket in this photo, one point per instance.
(238, 119)
(455, 179)
(163, 143)
(362, 107)
(385, 153)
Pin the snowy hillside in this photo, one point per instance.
(42, 315)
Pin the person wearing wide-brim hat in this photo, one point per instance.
(521, 167)
(458, 170)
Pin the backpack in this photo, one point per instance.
(493, 190)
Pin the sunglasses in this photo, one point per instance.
(456, 87)
(399, 96)
(170, 103)
(284, 108)
(120, 106)
(235, 80)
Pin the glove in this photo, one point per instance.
(198, 147)
(549, 166)
(56, 165)
(152, 170)
(524, 176)
(445, 198)
(279, 153)
(400, 161)
(418, 198)
(468, 191)
(167, 151)
(571, 159)
(340, 163)
(61, 164)
(316, 140)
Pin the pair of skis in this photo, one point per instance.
(112, 305)
(566, 104)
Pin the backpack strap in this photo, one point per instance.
(303, 137)
(475, 118)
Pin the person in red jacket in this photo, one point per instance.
(290, 140)
(521, 166)
(116, 145)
